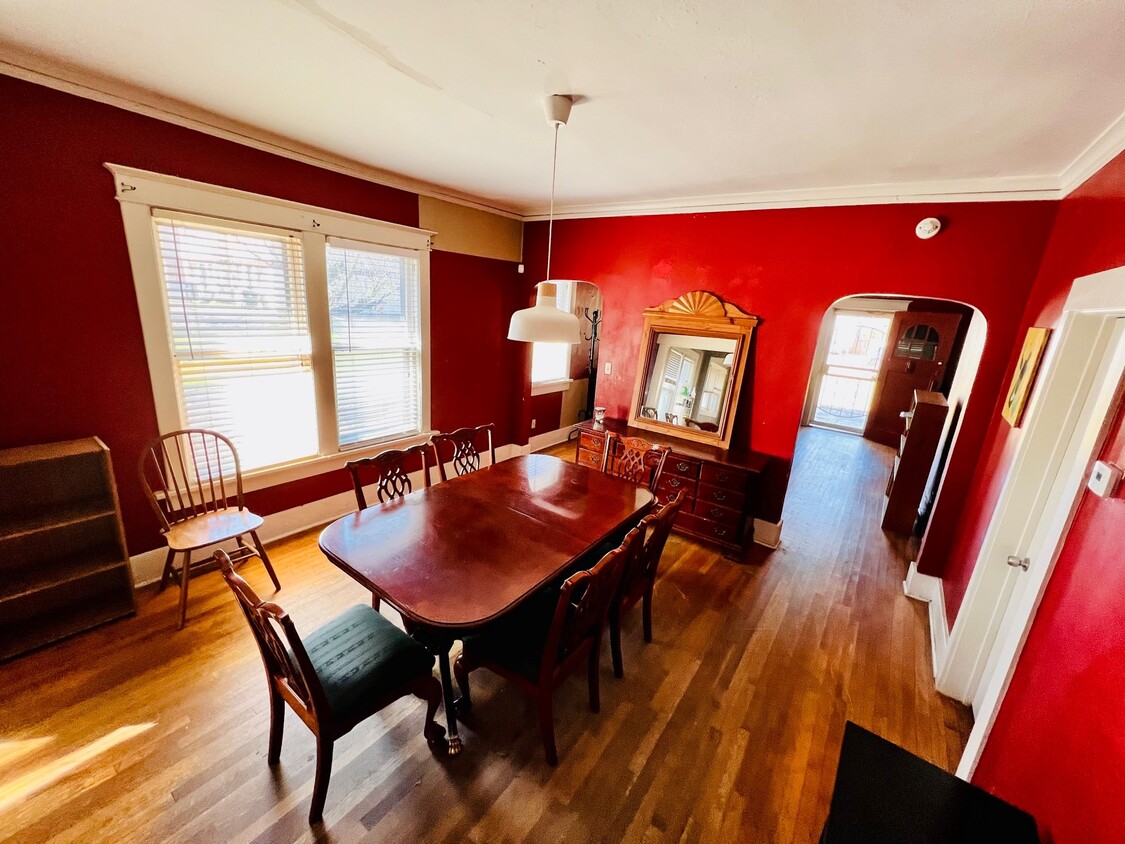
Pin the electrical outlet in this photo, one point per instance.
(608, 367)
(533, 424)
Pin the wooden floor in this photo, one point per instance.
(726, 728)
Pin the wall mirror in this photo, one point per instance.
(694, 358)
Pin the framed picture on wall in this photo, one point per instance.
(1023, 379)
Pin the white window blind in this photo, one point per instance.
(374, 300)
(240, 336)
(551, 361)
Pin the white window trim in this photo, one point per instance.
(140, 193)
(539, 388)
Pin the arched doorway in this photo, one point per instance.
(874, 354)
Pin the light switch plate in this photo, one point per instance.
(1104, 479)
(608, 367)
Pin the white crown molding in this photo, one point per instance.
(31, 67)
(1006, 189)
(1104, 148)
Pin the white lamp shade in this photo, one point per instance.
(729, 360)
(544, 323)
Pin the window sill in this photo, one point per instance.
(543, 387)
(309, 467)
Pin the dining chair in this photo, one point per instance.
(638, 575)
(671, 418)
(462, 449)
(546, 640)
(190, 478)
(390, 470)
(634, 459)
(648, 412)
(336, 677)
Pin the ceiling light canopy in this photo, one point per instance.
(546, 322)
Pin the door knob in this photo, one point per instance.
(1019, 562)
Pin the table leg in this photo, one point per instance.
(450, 704)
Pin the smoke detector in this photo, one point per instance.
(928, 228)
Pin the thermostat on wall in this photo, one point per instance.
(1104, 479)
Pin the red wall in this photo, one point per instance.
(1057, 748)
(73, 359)
(789, 266)
(1088, 237)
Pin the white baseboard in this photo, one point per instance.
(548, 439)
(149, 565)
(507, 452)
(926, 587)
(767, 533)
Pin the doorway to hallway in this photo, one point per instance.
(847, 378)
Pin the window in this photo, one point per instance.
(918, 342)
(299, 333)
(550, 362)
(240, 337)
(376, 343)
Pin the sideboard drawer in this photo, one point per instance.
(716, 513)
(707, 528)
(593, 459)
(724, 497)
(671, 484)
(726, 477)
(685, 467)
(591, 441)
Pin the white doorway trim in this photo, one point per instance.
(1039, 489)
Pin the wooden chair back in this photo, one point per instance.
(190, 473)
(648, 412)
(289, 669)
(584, 602)
(390, 470)
(634, 459)
(657, 527)
(462, 449)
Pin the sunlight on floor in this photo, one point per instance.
(27, 784)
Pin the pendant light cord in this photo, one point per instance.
(551, 215)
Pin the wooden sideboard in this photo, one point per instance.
(721, 485)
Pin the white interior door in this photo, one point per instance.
(1046, 538)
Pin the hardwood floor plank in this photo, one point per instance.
(726, 728)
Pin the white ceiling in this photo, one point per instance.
(683, 104)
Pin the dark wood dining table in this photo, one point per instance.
(455, 556)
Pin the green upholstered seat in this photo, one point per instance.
(360, 656)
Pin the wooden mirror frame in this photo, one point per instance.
(705, 315)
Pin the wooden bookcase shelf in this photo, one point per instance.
(918, 446)
(64, 566)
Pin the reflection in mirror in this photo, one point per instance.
(688, 382)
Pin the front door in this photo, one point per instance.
(914, 359)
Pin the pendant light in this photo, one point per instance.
(546, 322)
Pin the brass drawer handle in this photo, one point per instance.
(719, 495)
(683, 467)
(716, 513)
(673, 482)
(720, 531)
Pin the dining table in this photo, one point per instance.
(457, 555)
